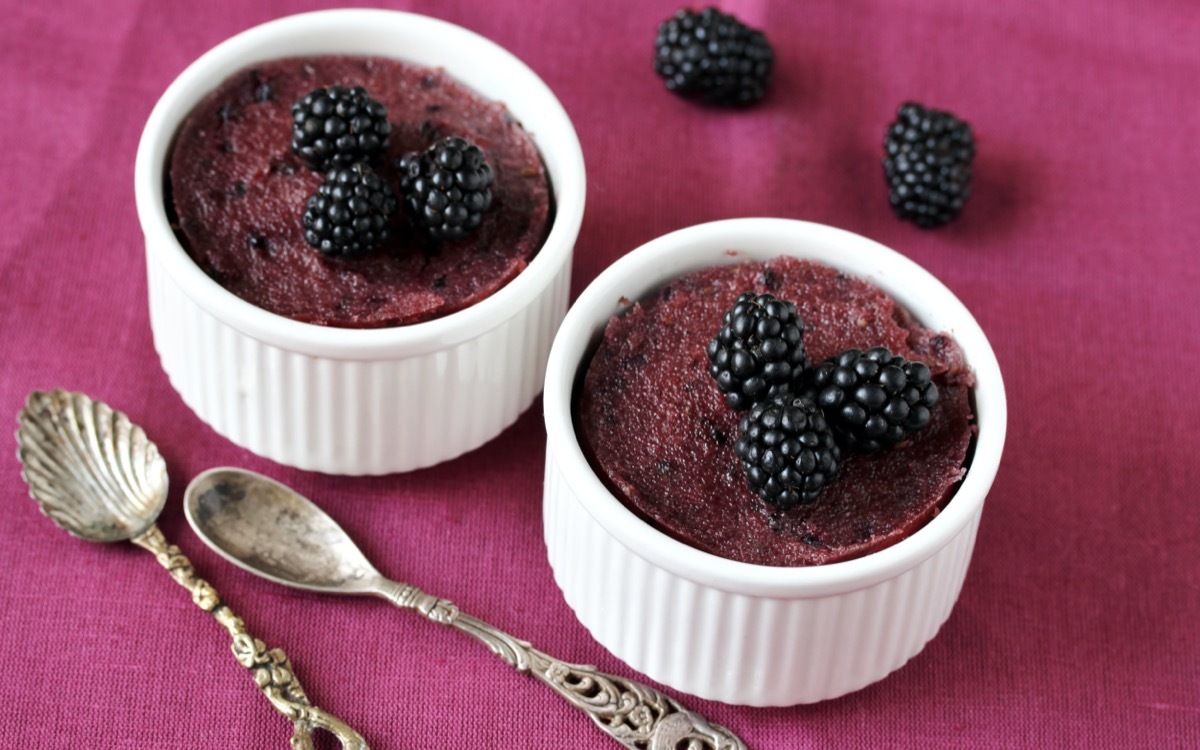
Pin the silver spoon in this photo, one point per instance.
(98, 476)
(270, 530)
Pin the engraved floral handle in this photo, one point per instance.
(272, 669)
(633, 714)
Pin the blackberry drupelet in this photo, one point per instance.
(338, 126)
(759, 350)
(787, 451)
(872, 399)
(713, 57)
(446, 188)
(348, 214)
(927, 164)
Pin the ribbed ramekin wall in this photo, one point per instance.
(370, 416)
(735, 648)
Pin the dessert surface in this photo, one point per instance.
(238, 193)
(659, 433)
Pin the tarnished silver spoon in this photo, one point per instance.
(272, 531)
(98, 476)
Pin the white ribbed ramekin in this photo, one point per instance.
(347, 401)
(732, 631)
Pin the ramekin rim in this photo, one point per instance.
(569, 186)
(663, 551)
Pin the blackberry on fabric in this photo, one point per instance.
(713, 57)
(927, 163)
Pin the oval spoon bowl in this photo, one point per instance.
(272, 531)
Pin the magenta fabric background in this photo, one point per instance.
(1078, 253)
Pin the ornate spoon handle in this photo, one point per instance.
(635, 715)
(272, 669)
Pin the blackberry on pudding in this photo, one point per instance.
(787, 451)
(349, 213)
(446, 188)
(758, 351)
(338, 126)
(873, 399)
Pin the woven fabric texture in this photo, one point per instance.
(1077, 253)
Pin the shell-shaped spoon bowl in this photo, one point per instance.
(90, 469)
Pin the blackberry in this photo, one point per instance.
(759, 351)
(927, 164)
(446, 188)
(348, 214)
(872, 399)
(713, 57)
(338, 126)
(787, 450)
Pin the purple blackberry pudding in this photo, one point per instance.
(236, 193)
(659, 433)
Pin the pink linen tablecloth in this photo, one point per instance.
(1078, 253)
